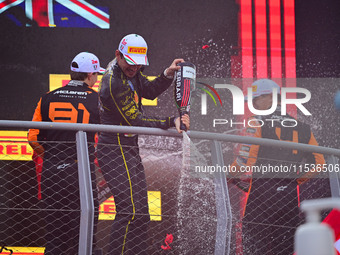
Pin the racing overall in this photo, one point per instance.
(73, 103)
(272, 214)
(118, 153)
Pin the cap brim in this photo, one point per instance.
(137, 60)
(254, 96)
(101, 70)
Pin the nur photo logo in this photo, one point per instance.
(239, 99)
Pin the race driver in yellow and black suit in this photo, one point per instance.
(272, 214)
(122, 87)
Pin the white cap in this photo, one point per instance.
(263, 87)
(134, 49)
(87, 63)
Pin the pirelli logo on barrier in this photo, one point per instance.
(60, 80)
(137, 50)
(14, 146)
(23, 250)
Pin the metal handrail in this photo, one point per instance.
(169, 132)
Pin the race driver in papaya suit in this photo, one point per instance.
(272, 213)
(121, 89)
(76, 102)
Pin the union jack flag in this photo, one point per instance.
(58, 13)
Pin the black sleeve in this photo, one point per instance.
(121, 100)
(150, 89)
